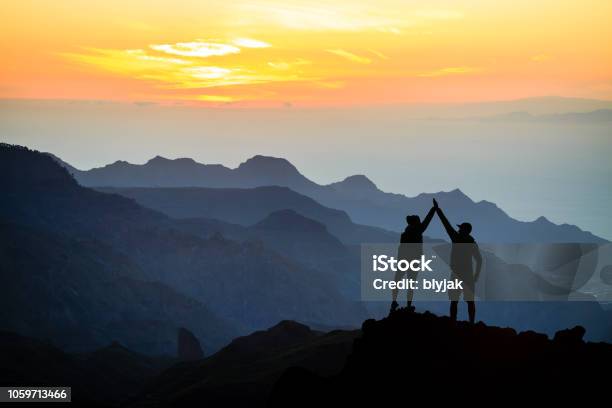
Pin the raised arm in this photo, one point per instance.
(447, 226)
(427, 219)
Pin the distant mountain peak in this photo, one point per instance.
(356, 185)
(158, 160)
(185, 160)
(457, 193)
(118, 163)
(360, 181)
(542, 220)
(284, 334)
(267, 170)
(290, 326)
(163, 161)
(260, 162)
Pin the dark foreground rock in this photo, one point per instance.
(243, 373)
(101, 378)
(410, 357)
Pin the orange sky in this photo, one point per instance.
(305, 53)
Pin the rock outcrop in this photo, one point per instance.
(188, 346)
(411, 357)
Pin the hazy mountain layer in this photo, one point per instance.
(247, 206)
(243, 283)
(81, 295)
(357, 195)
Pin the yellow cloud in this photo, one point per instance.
(390, 30)
(181, 73)
(125, 61)
(250, 43)
(199, 77)
(449, 71)
(350, 56)
(280, 65)
(284, 65)
(378, 54)
(214, 98)
(196, 49)
(143, 56)
(207, 72)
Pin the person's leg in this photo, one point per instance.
(410, 293)
(394, 292)
(468, 296)
(453, 310)
(454, 295)
(472, 310)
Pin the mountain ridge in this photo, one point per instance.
(357, 195)
(247, 206)
(40, 194)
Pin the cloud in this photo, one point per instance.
(378, 54)
(390, 30)
(449, 71)
(280, 65)
(143, 56)
(284, 65)
(207, 72)
(215, 98)
(350, 56)
(196, 49)
(125, 61)
(250, 43)
(200, 77)
(183, 73)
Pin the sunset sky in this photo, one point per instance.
(305, 53)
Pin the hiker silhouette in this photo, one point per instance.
(464, 250)
(411, 247)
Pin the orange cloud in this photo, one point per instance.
(307, 51)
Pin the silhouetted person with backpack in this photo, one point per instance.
(463, 251)
(411, 247)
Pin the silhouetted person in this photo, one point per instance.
(463, 250)
(411, 247)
